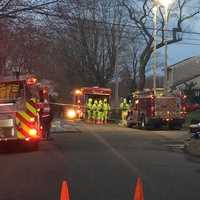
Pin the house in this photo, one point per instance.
(183, 72)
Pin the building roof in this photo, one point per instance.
(185, 80)
(182, 61)
(185, 70)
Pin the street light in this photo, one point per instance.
(166, 4)
(155, 9)
(156, 5)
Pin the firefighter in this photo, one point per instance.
(124, 107)
(46, 118)
(100, 112)
(89, 109)
(45, 114)
(94, 111)
(106, 109)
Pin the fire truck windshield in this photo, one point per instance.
(10, 91)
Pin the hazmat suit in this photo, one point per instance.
(89, 109)
(124, 107)
(94, 110)
(106, 109)
(100, 112)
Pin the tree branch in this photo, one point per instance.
(28, 8)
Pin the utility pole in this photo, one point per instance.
(165, 4)
(166, 86)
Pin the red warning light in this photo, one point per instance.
(31, 81)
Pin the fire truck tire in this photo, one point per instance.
(129, 125)
(129, 122)
(145, 123)
(142, 123)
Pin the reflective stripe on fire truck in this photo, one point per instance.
(23, 125)
(31, 109)
(26, 121)
(20, 136)
(26, 117)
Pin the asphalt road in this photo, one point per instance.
(102, 163)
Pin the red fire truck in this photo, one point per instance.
(19, 115)
(82, 95)
(154, 111)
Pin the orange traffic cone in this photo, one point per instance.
(64, 195)
(139, 190)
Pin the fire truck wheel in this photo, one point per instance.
(146, 123)
(143, 122)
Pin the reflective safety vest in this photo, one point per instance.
(106, 107)
(124, 106)
(89, 106)
(100, 107)
(45, 110)
(94, 107)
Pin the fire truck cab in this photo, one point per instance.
(154, 111)
(19, 118)
(82, 95)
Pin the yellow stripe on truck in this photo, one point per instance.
(20, 135)
(25, 116)
(31, 109)
(23, 126)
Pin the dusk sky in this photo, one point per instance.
(190, 46)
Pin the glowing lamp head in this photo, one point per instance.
(165, 3)
(33, 132)
(71, 114)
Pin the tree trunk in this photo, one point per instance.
(144, 59)
(142, 76)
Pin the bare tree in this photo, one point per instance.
(13, 8)
(140, 13)
(95, 30)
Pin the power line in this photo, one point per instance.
(187, 43)
(127, 34)
(129, 25)
(191, 39)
